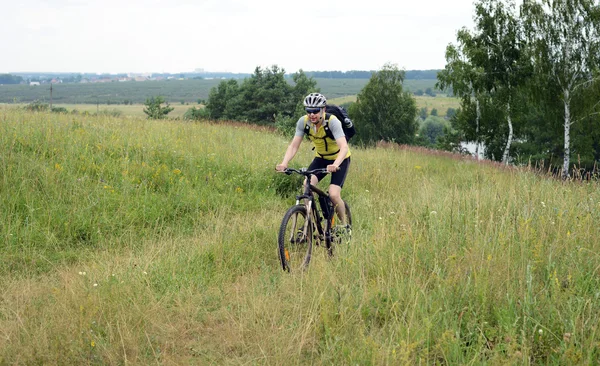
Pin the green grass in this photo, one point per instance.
(131, 110)
(129, 241)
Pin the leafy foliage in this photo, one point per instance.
(196, 114)
(432, 129)
(565, 49)
(529, 81)
(154, 108)
(261, 98)
(37, 106)
(383, 111)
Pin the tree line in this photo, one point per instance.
(528, 79)
(529, 82)
(383, 110)
(10, 79)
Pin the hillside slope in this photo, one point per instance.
(135, 241)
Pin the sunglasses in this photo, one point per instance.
(313, 110)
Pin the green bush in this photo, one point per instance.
(59, 110)
(37, 106)
(432, 129)
(154, 108)
(196, 114)
(286, 125)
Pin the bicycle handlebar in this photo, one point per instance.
(305, 172)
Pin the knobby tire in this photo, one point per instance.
(295, 246)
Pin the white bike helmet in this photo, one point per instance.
(315, 100)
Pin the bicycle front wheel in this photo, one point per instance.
(295, 239)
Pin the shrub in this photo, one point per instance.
(286, 125)
(37, 106)
(196, 114)
(59, 110)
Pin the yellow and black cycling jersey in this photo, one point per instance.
(323, 137)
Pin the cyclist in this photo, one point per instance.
(331, 154)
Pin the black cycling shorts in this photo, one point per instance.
(338, 177)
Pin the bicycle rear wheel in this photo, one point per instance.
(339, 234)
(295, 239)
(348, 218)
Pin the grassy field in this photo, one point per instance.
(174, 91)
(129, 241)
(439, 102)
(132, 110)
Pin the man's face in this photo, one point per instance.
(314, 114)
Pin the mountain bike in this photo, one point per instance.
(307, 223)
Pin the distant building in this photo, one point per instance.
(34, 83)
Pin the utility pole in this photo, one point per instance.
(50, 96)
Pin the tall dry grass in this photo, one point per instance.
(451, 261)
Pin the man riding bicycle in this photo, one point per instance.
(332, 154)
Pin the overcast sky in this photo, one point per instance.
(121, 36)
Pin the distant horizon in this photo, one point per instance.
(189, 72)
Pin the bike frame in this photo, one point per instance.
(313, 213)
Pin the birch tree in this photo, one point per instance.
(485, 66)
(465, 81)
(498, 53)
(565, 40)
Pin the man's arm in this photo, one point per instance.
(291, 152)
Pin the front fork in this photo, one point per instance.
(312, 218)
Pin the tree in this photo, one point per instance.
(219, 96)
(451, 112)
(303, 85)
(10, 79)
(264, 97)
(383, 111)
(484, 69)
(433, 128)
(265, 93)
(565, 40)
(466, 82)
(286, 119)
(498, 53)
(154, 108)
